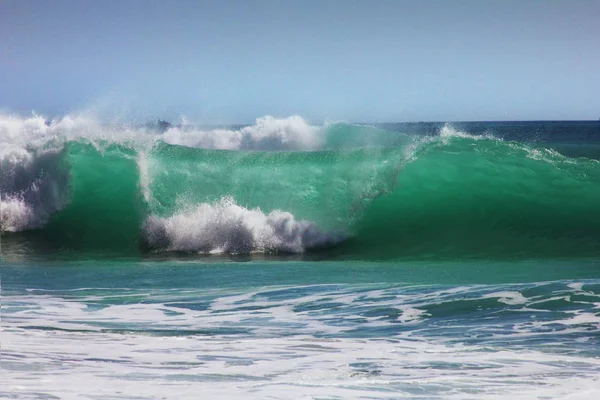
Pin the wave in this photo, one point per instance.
(33, 181)
(283, 185)
(484, 197)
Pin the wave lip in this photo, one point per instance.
(226, 227)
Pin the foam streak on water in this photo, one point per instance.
(319, 341)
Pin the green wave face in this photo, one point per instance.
(435, 197)
(488, 198)
(328, 187)
(106, 210)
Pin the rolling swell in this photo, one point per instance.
(376, 195)
(486, 198)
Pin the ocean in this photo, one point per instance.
(284, 260)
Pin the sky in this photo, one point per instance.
(232, 61)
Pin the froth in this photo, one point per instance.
(33, 181)
(15, 215)
(226, 227)
(16, 131)
(269, 133)
(448, 131)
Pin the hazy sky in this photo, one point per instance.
(232, 61)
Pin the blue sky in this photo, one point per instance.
(232, 61)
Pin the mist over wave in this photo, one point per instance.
(269, 133)
(33, 182)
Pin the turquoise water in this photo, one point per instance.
(282, 328)
(287, 261)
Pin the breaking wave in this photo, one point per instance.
(226, 227)
(269, 133)
(283, 185)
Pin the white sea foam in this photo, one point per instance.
(73, 365)
(448, 131)
(506, 297)
(225, 227)
(33, 182)
(269, 133)
(145, 178)
(15, 215)
(287, 342)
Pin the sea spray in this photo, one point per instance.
(225, 227)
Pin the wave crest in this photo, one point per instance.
(269, 133)
(33, 185)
